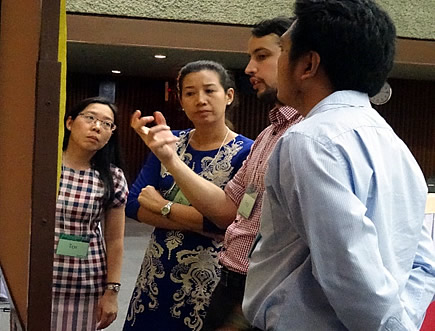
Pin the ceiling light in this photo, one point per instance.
(116, 71)
(160, 56)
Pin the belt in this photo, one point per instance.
(231, 278)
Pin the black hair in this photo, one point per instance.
(109, 154)
(277, 25)
(354, 38)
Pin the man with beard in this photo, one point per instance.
(342, 244)
(238, 207)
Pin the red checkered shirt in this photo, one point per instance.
(241, 233)
(79, 211)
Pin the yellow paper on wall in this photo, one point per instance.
(430, 204)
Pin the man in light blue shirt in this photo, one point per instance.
(342, 245)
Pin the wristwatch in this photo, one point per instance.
(166, 209)
(115, 287)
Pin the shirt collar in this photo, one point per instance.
(344, 98)
(282, 114)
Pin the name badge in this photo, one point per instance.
(181, 199)
(247, 203)
(175, 195)
(75, 246)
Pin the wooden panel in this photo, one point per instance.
(414, 57)
(45, 169)
(18, 57)
(44, 187)
(411, 114)
(251, 117)
(131, 93)
(157, 33)
(149, 95)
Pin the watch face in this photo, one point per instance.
(383, 95)
(166, 209)
(113, 287)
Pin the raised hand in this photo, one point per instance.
(159, 138)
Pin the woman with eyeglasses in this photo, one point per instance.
(92, 192)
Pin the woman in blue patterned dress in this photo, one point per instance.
(180, 268)
(93, 190)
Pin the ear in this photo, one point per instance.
(230, 96)
(310, 65)
(69, 123)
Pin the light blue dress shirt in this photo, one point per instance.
(342, 242)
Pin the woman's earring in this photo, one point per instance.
(229, 103)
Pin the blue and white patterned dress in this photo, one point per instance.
(180, 268)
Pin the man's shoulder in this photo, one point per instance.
(339, 120)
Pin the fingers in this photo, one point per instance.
(150, 192)
(139, 123)
(160, 119)
(144, 192)
(148, 188)
(106, 320)
(136, 117)
(159, 138)
(157, 141)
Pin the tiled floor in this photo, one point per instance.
(136, 240)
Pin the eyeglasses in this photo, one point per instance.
(106, 125)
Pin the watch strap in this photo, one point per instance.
(115, 287)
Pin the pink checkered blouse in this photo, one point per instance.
(79, 211)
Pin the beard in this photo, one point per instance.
(268, 95)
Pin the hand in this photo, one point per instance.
(159, 138)
(151, 199)
(107, 309)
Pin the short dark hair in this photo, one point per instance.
(277, 25)
(109, 154)
(354, 38)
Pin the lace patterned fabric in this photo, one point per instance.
(180, 268)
